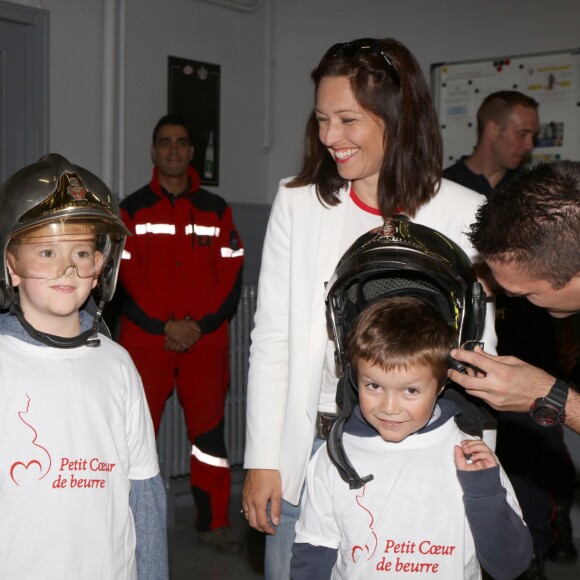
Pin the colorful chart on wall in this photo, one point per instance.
(552, 79)
(194, 93)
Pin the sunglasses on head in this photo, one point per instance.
(349, 50)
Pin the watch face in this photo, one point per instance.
(546, 414)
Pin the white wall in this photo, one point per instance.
(199, 31)
(435, 31)
(75, 80)
(302, 30)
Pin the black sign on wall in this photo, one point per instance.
(194, 94)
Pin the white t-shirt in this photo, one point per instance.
(75, 428)
(360, 219)
(408, 522)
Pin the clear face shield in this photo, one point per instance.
(61, 249)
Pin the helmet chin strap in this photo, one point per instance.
(89, 337)
(334, 444)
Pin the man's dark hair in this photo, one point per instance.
(534, 222)
(171, 120)
(498, 106)
(387, 81)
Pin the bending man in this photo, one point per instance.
(529, 235)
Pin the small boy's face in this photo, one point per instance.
(398, 402)
(55, 276)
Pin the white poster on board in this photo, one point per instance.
(551, 79)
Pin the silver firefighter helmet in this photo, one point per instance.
(52, 197)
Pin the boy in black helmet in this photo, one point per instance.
(400, 488)
(80, 491)
(437, 504)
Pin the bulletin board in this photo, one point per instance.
(194, 94)
(552, 79)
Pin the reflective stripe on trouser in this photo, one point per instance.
(201, 378)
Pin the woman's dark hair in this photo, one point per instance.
(387, 81)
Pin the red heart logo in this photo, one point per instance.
(22, 473)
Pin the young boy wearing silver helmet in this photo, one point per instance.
(80, 490)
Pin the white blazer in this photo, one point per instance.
(301, 251)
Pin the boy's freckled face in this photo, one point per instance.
(52, 301)
(399, 402)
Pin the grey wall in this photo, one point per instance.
(251, 220)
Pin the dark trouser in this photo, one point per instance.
(540, 469)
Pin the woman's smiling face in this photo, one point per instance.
(352, 135)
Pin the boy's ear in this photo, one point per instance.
(14, 277)
(98, 261)
(98, 267)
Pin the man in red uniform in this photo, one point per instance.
(181, 276)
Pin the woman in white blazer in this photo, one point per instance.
(372, 149)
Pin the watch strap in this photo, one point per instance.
(558, 394)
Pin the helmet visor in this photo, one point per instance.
(42, 254)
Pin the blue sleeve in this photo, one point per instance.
(149, 506)
(502, 541)
(312, 562)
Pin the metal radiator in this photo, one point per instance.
(173, 444)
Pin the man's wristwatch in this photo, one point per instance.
(551, 409)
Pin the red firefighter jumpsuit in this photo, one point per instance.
(184, 259)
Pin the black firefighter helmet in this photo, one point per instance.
(400, 258)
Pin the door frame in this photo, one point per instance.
(36, 23)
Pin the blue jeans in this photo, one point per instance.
(279, 547)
